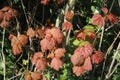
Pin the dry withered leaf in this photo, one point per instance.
(87, 64)
(97, 57)
(78, 70)
(56, 63)
(104, 10)
(77, 60)
(41, 64)
(27, 76)
(23, 39)
(112, 18)
(67, 26)
(60, 52)
(45, 2)
(30, 32)
(69, 15)
(36, 76)
(98, 20)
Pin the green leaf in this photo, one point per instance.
(64, 75)
(79, 43)
(48, 75)
(89, 28)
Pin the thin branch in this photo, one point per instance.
(68, 35)
(111, 5)
(2, 53)
(108, 52)
(24, 12)
(113, 61)
(101, 39)
(114, 69)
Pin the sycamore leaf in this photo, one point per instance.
(105, 10)
(85, 50)
(112, 18)
(60, 52)
(80, 35)
(23, 39)
(77, 60)
(27, 76)
(41, 64)
(98, 20)
(97, 57)
(30, 32)
(56, 63)
(36, 76)
(69, 15)
(78, 70)
(87, 64)
(67, 26)
(45, 2)
(37, 56)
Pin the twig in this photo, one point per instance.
(111, 5)
(108, 52)
(113, 61)
(2, 53)
(68, 35)
(24, 12)
(114, 69)
(15, 76)
(101, 39)
(43, 14)
(119, 2)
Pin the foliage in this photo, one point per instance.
(59, 40)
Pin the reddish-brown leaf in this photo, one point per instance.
(30, 32)
(41, 64)
(56, 63)
(69, 15)
(67, 26)
(80, 35)
(45, 2)
(78, 70)
(57, 34)
(60, 52)
(36, 76)
(112, 18)
(87, 64)
(27, 76)
(5, 9)
(40, 33)
(47, 44)
(91, 35)
(98, 20)
(104, 10)
(23, 39)
(4, 24)
(77, 60)
(16, 49)
(37, 56)
(1, 15)
(97, 57)
(51, 55)
(85, 50)
(60, 1)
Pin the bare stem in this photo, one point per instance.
(101, 38)
(111, 5)
(3, 56)
(68, 35)
(113, 61)
(108, 52)
(24, 12)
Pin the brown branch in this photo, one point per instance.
(113, 61)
